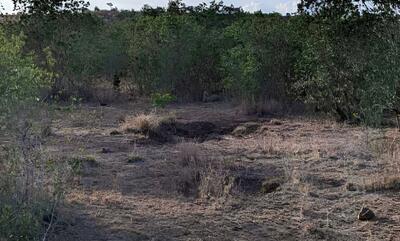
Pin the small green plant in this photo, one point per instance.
(161, 100)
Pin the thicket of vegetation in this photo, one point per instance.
(341, 57)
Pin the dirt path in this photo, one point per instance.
(121, 200)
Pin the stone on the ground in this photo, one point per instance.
(106, 150)
(351, 187)
(276, 122)
(366, 214)
(115, 133)
(269, 186)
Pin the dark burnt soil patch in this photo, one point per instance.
(218, 178)
(323, 182)
(265, 179)
(198, 130)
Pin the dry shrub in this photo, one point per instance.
(215, 180)
(269, 146)
(145, 123)
(141, 123)
(198, 176)
(188, 153)
(387, 150)
(203, 178)
(32, 183)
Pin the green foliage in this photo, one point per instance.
(23, 225)
(350, 68)
(241, 70)
(85, 48)
(21, 80)
(337, 56)
(162, 100)
(348, 8)
(260, 62)
(50, 7)
(168, 54)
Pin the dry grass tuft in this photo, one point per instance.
(145, 123)
(387, 177)
(198, 176)
(188, 153)
(140, 123)
(382, 183)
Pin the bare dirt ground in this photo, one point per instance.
(323, 167)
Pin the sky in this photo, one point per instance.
(280, 6)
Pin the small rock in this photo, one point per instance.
(236, 228)
(276, 122)
(366, 214)
(334, 158)
(106, 150)
(313, 194)
(115, 133)
(269, 186)
(351, 187)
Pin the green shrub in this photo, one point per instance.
(351, 69)
(21, 80)
(162, 100)
(258, 65)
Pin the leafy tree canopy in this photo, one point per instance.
(346, 8)
(49, 7)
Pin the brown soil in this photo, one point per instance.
(315, 160)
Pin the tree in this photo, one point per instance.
(176, 7)
(346, 8)
(49, 7)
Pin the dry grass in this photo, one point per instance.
(188, 153)
(382, 183)
(387, 150)
(144, 123)
(199, 176)
(32, 184)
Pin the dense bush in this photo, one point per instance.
(338, 58)
(21, 80)
(82, 46)
(24, 181)
(350, 68)
(259, 65)
(171, 53)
